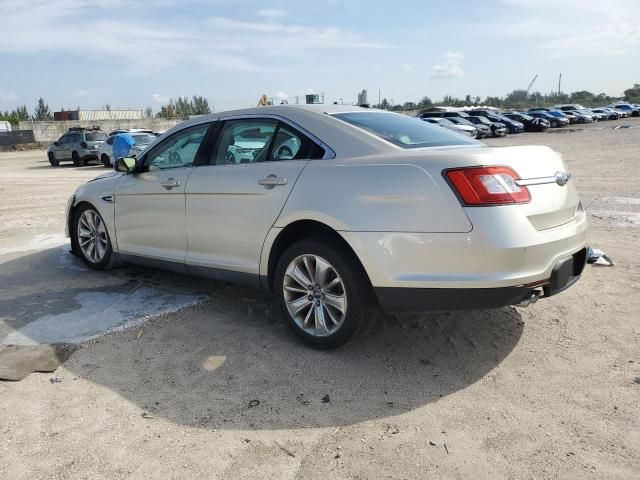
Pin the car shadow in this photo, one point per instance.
(65, 165)
(229, 362)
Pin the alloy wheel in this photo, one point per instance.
(92, 236)
(314, 295)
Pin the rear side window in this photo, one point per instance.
(405, 131)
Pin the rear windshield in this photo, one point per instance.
(144, 138)
(404, 131)
(95, 136)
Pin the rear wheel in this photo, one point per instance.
(581, 120)
(324, 293)
(106, 161)
(52, 159)
(635, 114)
(90, 238)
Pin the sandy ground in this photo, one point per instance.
(221, 389)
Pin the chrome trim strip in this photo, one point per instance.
(564, 178)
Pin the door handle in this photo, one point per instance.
(169, 183)
(271, 181)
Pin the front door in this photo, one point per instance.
(234, 201)
(150, 206)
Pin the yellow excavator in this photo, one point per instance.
(263, 101)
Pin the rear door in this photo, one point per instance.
(150, 205)
(234, 201)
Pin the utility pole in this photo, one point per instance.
(559, 82)
(379, 99)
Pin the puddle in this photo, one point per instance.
(100, 313)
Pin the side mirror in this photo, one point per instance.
(126, 165)
(56, 144)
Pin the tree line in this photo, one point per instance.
(184, 107)
(180, 108)
(519, 100)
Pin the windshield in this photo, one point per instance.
(480, 119)
(95, 137)
(522, 115)
(144, 138)
(404, 131)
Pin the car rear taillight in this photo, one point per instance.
(477, 186)
(84, 145)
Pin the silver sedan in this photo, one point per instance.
(339, 211)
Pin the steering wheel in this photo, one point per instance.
(175, 158)
(284, 152)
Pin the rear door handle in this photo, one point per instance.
(170, 183)
(271, 181)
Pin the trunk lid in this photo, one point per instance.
(554, 198)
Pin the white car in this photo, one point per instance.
(449, 125)
(142, 138)
(369, 208)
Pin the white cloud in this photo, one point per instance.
(450, 68)
(157, 98)
(271, 13)
(152, 43)
(572, 27)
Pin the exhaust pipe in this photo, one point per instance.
(529, 298)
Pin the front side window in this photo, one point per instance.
(177, 151)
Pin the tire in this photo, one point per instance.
(76, 159)
(100, 241)
(358, 300)
(554, 124)
(105, 160)
(635, 114)
(581, 120)
(52, 160)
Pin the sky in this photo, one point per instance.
(138, 54)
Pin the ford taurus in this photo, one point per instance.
(339, 211)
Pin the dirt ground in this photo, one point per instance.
(214, 386)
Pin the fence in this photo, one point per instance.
(51, 131)
(16, 137)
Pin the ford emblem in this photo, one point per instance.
(562, 178)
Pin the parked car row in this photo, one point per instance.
(82, 145)
(479, 122)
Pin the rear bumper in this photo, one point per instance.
(564, 274)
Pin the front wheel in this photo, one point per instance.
(90, 238)
(324, 293)
(52, 160)
(554, 124)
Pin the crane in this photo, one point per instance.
(531, 83)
